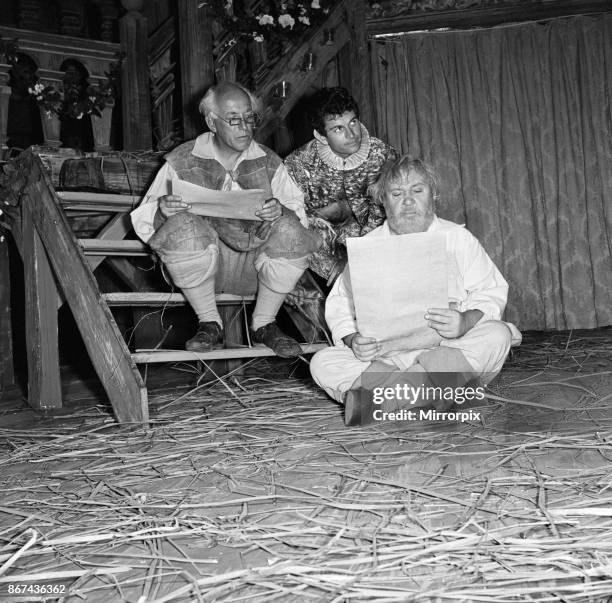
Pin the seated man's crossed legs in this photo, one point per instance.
(473, 359)
(200, 264)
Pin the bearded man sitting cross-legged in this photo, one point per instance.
(465, 342)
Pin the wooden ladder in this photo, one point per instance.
(58, 268)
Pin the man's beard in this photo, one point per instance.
(411, 223)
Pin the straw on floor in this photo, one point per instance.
(252, 489)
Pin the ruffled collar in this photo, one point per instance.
(352, 161)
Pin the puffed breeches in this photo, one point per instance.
(191, 249)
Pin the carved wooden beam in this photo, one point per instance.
(135, 94)
(482, 13)
(196, 62)
(360, 77)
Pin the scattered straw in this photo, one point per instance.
(252, 489)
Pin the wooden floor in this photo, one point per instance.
(251, 488)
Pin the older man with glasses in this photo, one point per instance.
(204, 255)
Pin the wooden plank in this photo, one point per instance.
(196, 61)
(93, 201)
(153, 356)
(41, 301)
(112, 247)
(482, 16)
(130, 298)
(102, 338)
(116, 229)
(7, 371)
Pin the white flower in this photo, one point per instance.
(257, 37)
(286, 20)
(315, 4)
(266, 20)
(37, 89)
(304, 20)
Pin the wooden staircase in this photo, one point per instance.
(58, 268)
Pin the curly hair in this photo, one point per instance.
(398, 170)
(328, 102)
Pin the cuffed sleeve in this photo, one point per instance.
(144, 216)
(288, 193)
(485, 287)
(340, 310)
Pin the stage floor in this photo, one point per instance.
(251, 488)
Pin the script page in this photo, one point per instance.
(395, 280)
(220, 204)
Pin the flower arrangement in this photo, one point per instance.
(71, 103)
(275, 19)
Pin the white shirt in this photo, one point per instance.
(473, 280)
(283, 186)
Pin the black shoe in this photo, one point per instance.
(358, 407)
(208, 337)
(282, 345)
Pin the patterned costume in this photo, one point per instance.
(336, 194)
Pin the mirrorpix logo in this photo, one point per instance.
(401, 395)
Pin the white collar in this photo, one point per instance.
(204, 147)
(352, 161)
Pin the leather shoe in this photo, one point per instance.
(208, 337)
(358, 407)
(282, 345)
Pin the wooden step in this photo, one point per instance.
(152, 356)
(166, 299)
(114, 247)
(76, 200)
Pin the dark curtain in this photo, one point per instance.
(518, 122)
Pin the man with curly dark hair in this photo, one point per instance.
(334, 171)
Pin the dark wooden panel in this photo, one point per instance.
(6, 345)
(41, 301)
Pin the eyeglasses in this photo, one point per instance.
(249, 119)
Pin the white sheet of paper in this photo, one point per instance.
(220, 204)
(395, 280)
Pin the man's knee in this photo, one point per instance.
(184, 231)
(288, 238)
(319, 363)
(497, 334)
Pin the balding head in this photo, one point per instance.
(215, 94)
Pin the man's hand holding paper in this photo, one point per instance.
(172, 204)
(395, 282)
(238, 204)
